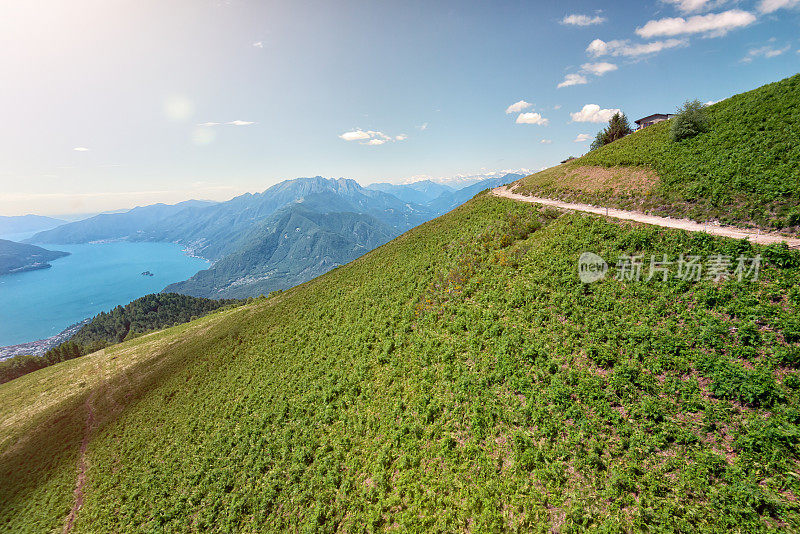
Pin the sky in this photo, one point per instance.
(109, 104)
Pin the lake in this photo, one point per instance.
(93, 278)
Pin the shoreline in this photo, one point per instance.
(40, 346)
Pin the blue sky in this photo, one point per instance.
(110, 104)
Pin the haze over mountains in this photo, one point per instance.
(290, 233)
(27, 223)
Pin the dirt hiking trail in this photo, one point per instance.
(667, 222)
(81, 478)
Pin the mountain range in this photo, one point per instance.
(290, 233)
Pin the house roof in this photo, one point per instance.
(654, 116)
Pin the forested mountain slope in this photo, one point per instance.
(460, 377)
(17, 257)
(295, 245)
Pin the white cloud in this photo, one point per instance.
(598, 47)
(712, 25)
(711, 102)
(355, 135)
(80, 149)
(370, 137)
(764, 51)
(516, 107)
(769, 6)
(423, 126)
(573, 79)
(694, 6)
(209, 124)
(598, 69)
(582, 20)
(259, 44)
(557, 106)
(593, 113)
(532, 118)
(546, 141)
(582, 138)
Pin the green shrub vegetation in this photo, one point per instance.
(690, 121)
(145, 314)
(459, 378)
(743, 168)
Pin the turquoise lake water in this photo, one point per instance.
(93, 278)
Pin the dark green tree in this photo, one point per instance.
(618, 127)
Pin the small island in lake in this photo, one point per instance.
(18, 257)
(147, 273)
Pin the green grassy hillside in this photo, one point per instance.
(744, 170)
(459, 378)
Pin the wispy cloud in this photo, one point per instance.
(694, 6)
(401, 137)
(80, 149)
(582, 138)
(711, 25)
(582, 20)
(532, 118)
(764, 51)
(625, 48)
(231, 123)
(573, 79)
(423, 126)
(598, 69)
(546, 141)
(516, 107)
(593, 113)
(770, 6)
(259, 44)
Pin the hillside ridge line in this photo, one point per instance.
(667, 222)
